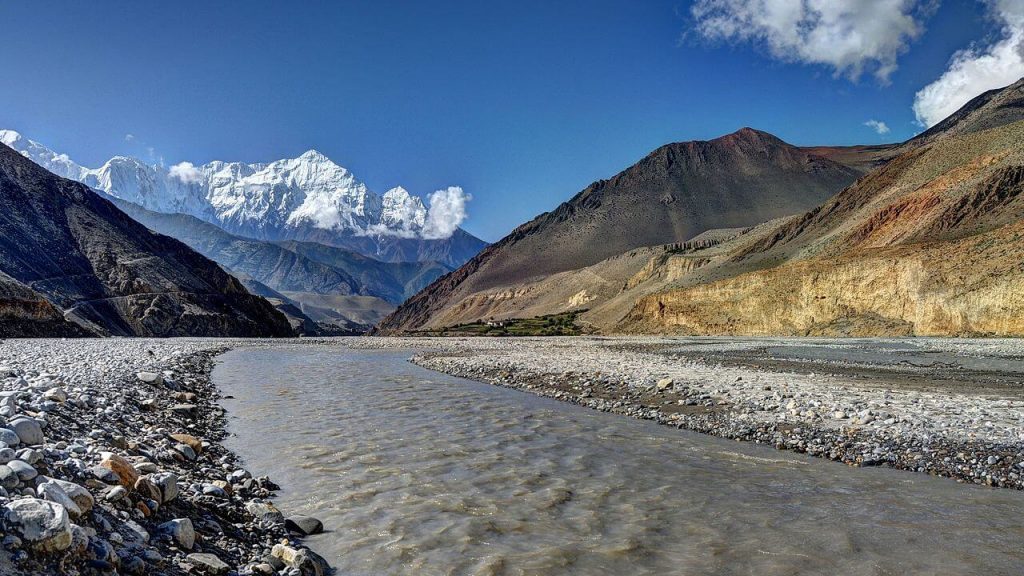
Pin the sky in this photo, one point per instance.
(522, 104)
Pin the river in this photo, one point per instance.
(415, 472)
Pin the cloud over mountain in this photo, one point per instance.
(978, 68)
(878, 126)
(447, 211)
(186, 172)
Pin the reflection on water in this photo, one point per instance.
(415, 472)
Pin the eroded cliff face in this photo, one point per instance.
(666, 267)
(895, 295)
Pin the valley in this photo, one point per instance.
(711, 287)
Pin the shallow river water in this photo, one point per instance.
(415, 472)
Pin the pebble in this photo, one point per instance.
(116, 494)
(304, 525)
(208, 563)
(44, 526)
(150, 378)
(181, 530)
(126, 473)
(23, 470)
(28, 430)
(52, 492)
(9, 437)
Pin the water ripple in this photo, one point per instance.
(418, 473)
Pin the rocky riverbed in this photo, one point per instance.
(111, 458)
(959, 413)
(110, 463)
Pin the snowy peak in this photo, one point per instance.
(10, 138)
(313, 156)
(59, 164)
(402, 211)
(263, 200)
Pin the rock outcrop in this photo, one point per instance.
(25, 312)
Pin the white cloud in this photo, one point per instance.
(978, 68)
(129, 137)
(447, 210)
(878, 126)
(186, 172)
(851, 37)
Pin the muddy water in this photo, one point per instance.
(415, 472)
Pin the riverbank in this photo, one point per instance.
(952, 408)
(112, 461)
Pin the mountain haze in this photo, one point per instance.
(299, 273)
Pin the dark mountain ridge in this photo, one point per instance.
(298, 273)
(109, 273)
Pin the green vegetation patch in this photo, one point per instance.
(563, 324)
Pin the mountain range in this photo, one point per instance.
(930, 244)
(308, 198)
(673, 194)
(746, 234)
(307, 234)
(741, 235)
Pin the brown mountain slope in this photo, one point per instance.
(930, 244)
(109, 273)
(678, 191)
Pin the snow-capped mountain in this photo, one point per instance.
(59, 164)
(304, 198)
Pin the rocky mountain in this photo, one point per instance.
(67, 253)
(672, 195)
(309, 198)
(300, 274)
(929, 244)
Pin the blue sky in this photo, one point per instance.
(522, 104)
